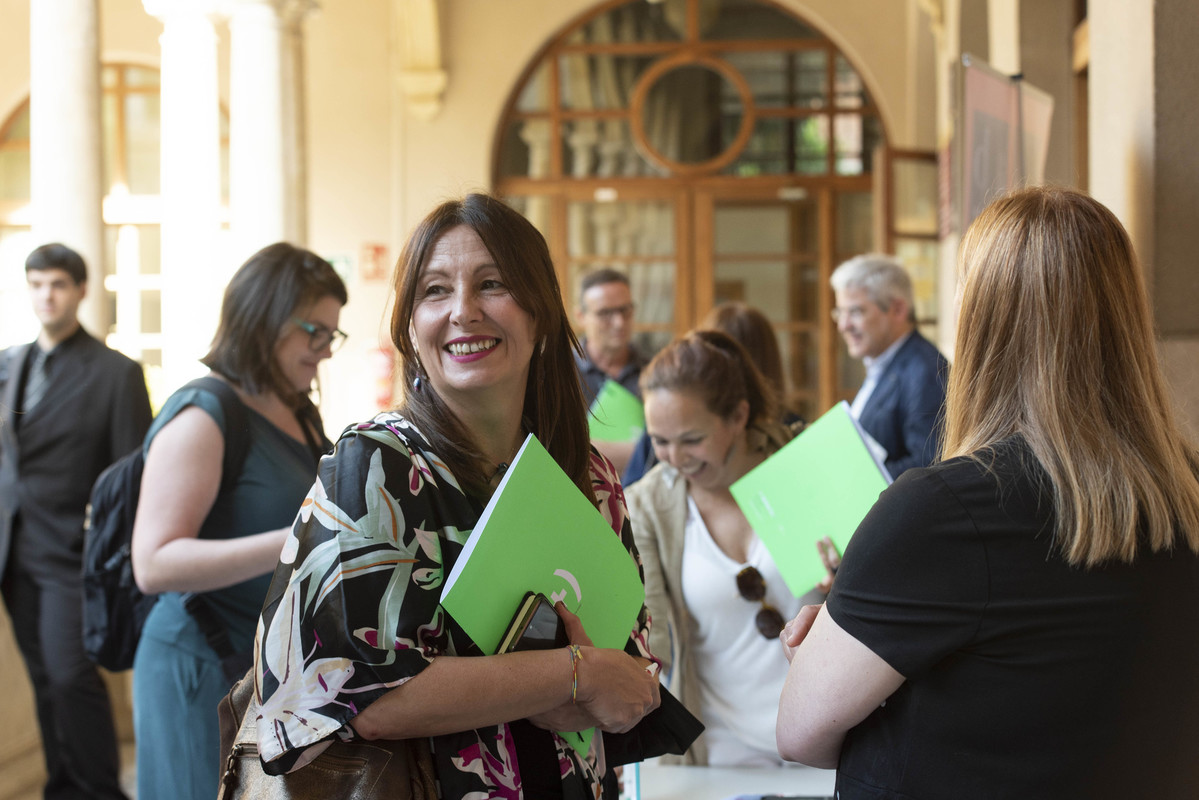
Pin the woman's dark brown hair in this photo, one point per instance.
(716, 368)
(553, 406)
(274, 284)
(753, 330)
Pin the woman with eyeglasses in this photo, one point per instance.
(710, 584)
(207, 541)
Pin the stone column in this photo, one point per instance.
(295, 125)
(257, 168)
(267, 178)
(1003, 35)
(194, 270)
(65, 152)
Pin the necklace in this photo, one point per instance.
(502, 467)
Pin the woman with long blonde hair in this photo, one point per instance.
(1019, 619)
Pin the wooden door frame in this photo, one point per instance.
(824, 190)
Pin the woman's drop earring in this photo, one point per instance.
(418, 381)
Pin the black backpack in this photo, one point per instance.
(114, 609)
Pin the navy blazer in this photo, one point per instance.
(905, 412)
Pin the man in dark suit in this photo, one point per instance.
(901, 401)
(69, 407)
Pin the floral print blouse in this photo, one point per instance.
(353, 610)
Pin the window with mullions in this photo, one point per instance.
(737, 87)
(711, 150)
(132, 210)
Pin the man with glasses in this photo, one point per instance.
(901, 400)
(605, 312)
(69, 407)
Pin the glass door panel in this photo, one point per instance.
(765, 253)
(914, 230)
(855, 236)
(636, 237)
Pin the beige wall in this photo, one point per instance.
(1046, 31)
(1176, 181)
(1143, 166)
(14, 55)
(351, 113)
(1176, 198)
(1121, 115)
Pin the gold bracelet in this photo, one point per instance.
(576, 655)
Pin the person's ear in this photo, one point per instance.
(740, 416)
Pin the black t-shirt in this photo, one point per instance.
(1025, 677)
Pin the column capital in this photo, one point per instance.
(164, 10)
(421, 76)
(936, 15)
(286, 9)
(294, 11)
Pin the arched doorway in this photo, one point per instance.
(712, 149)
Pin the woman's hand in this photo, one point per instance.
(615, 688)
(795, 631)
(832, 560)
(602, 701)
(566, 717)
(574, 626)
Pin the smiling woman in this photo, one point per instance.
(476, 340)
(488, 357)
(710, 584)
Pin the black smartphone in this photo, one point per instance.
(535, 626)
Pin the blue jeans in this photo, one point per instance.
(177, 684)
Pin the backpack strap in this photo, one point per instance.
(310, 423)
(237, 427)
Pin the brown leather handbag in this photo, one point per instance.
(396, 770)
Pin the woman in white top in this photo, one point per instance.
(717, 600)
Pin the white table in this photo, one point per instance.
(658, 782)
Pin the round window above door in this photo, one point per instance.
(710, 149)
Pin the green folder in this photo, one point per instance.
(540, 534)
(819, 484)
(616, 414)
